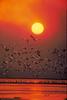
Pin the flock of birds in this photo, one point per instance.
(30, 63)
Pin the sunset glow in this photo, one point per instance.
(33, 50)
(23, 13)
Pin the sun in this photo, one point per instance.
(37, 28)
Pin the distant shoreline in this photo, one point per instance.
(31, 81)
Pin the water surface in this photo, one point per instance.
(33, 91)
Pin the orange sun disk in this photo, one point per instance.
(37, 28)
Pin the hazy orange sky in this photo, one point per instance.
(26, 12)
